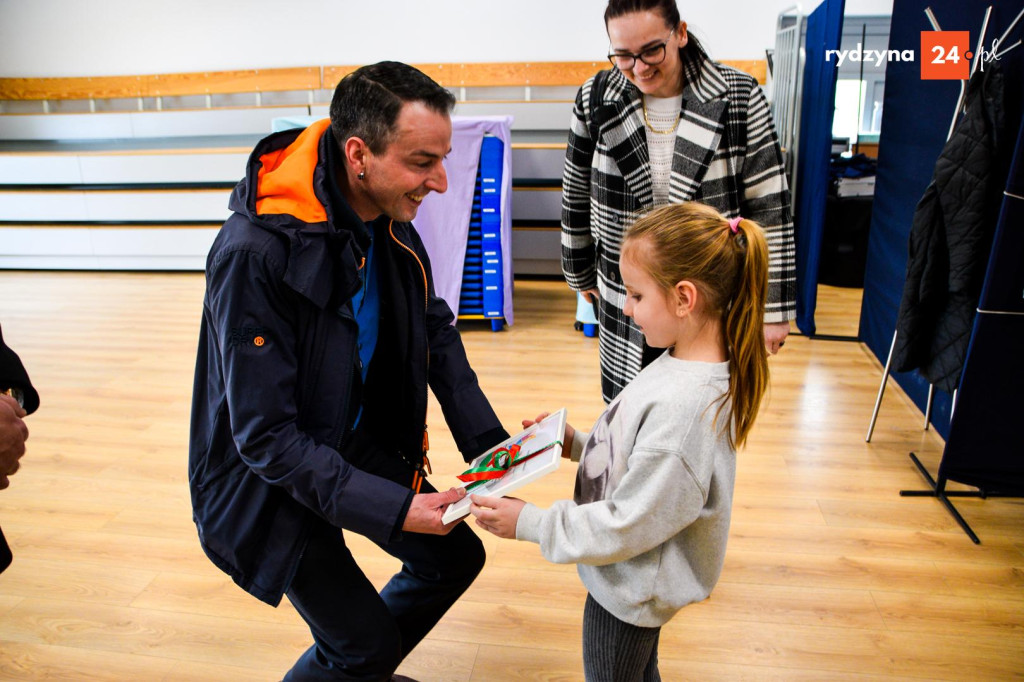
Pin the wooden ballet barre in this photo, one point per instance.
(454, 75)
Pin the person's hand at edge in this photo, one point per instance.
(13, 433)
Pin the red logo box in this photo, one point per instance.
(945, 55)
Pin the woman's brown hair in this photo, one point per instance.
(729, 268)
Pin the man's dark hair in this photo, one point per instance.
(367, 101)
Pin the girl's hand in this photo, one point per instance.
(527, 423)
(498, 515)
(570, 433)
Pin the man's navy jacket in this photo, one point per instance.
(277, 386)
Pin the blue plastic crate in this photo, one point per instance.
(482, 283)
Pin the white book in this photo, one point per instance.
(535, 451)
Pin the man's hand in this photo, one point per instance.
(13, 434)
(775, 334)
(425, 512)
(498, 515)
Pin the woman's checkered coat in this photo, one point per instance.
(726, 155)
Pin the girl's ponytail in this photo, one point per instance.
(744, 327)
(727, 260)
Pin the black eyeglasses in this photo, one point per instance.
(651, 56)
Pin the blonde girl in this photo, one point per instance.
(649, 520)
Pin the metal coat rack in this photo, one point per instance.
(937, 488)
(956, 115)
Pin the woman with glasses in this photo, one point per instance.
(666, 125)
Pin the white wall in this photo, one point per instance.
(40, 38)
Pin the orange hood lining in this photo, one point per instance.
(285, 181)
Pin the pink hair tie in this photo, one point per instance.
(734, 224)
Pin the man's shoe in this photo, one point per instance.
(401, 678)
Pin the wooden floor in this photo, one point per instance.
(838, 312)
(830, 575)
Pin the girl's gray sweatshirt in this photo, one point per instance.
(649, 520)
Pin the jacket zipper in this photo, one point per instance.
(344, 413)
(418, 476)
(352, 382)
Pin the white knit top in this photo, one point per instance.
(662, 115)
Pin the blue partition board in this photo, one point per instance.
(983, 446)
(824, 32)
(915, 123)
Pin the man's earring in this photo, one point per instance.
(362, 175)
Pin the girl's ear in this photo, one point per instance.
(686, 297)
